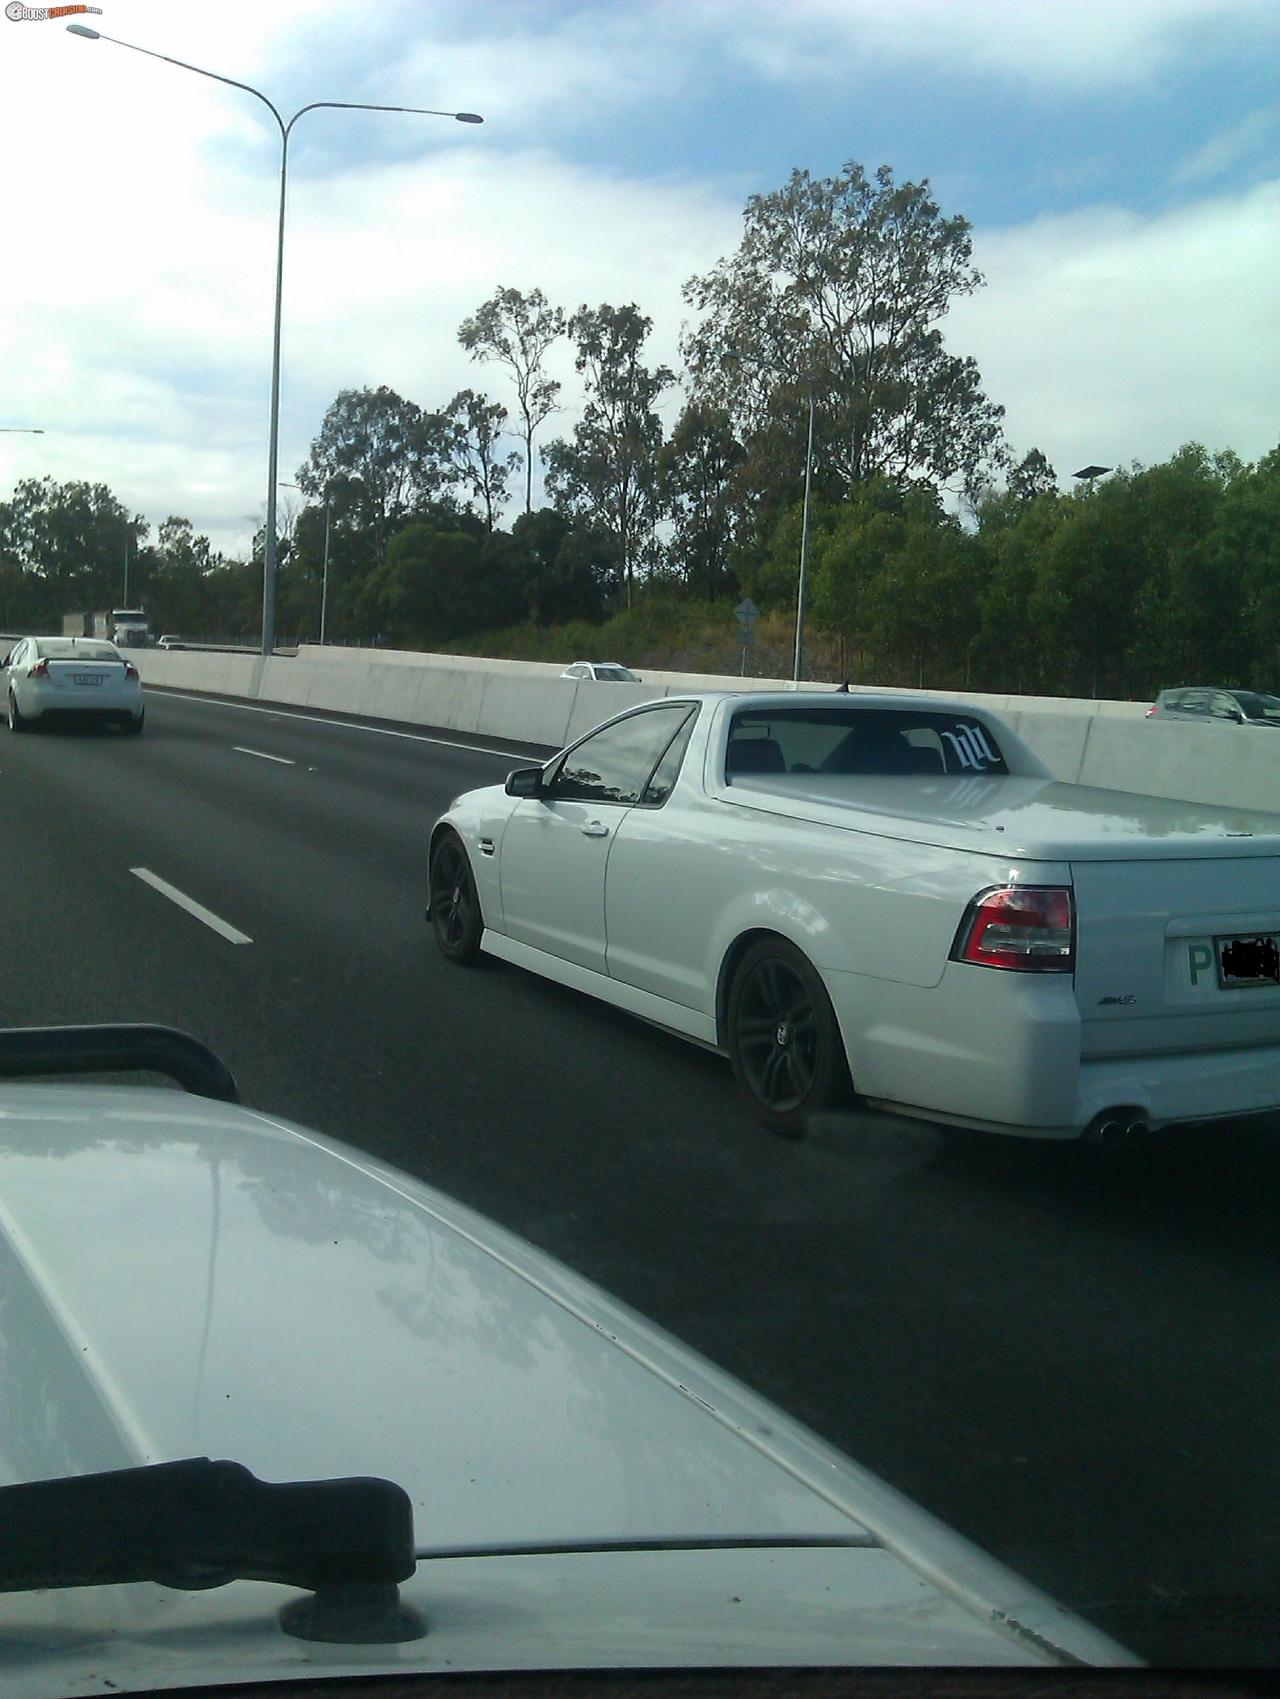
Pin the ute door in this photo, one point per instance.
(556, 846)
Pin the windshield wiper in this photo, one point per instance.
(198, 1524)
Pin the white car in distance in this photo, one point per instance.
(51, 678)
(892, 893)
(601, 672)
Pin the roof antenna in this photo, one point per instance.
(844, 689)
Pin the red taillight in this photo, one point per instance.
(1029, 928)
(130, 671)
(1150, 713)
(40, 670)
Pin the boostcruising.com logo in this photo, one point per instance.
(20, 14)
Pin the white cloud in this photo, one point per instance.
(1111, 338)
(1070, 44)
(135, 324)
(1229, 147)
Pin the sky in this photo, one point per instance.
(1118, 160)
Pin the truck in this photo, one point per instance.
(126, 627)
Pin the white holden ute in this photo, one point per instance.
(275, 1412)
(887, 896)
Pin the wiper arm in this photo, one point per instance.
(199, 1524)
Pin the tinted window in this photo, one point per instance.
(1226, 707)
(667, 771)
(1194, 702)
(64, 649)
(1258, 706)
(614, 765)
(885, 741)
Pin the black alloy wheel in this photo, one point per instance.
(455, 906)
(784, 1043)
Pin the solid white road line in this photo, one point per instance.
(350, 725)
(263, 756)
(189, 903)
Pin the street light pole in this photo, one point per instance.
(804, 549)
(747, 359)
(324, 582)
(269, 552)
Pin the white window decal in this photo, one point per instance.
(971, 747)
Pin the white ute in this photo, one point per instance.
(889, 891)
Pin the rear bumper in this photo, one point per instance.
(1001, 1052)
(1204, 1086)
(39, 702)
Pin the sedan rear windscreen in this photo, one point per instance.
(57, 649)
(888, 742)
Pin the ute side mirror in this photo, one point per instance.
(525, 781)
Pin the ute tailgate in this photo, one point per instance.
(1177, 955)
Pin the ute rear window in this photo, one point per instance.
(880, 742)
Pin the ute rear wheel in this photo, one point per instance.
(455, 905)
(784, 1042)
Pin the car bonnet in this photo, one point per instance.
(185, 1278)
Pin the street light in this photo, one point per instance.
(22, 430)
(745, 359)
(1089, 473)
(324, 583)
(269, 553)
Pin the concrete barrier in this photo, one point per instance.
(534, 710)
(1107, 744)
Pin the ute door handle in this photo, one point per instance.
(595, 829)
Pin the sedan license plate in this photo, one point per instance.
(86, 678)
(1247, 961)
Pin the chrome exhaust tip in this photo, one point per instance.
(1116, 1130)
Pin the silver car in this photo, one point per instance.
(601, 672)
(1210, 704)
(71, 677)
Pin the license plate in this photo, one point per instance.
(1249, 960)
(86, 678)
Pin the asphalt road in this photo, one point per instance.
(1076, 1368)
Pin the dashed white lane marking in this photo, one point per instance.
(263, 756)
(353, 726)
(229, 932)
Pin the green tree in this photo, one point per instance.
(696, 469)
(839, 283)
(439, 583)
(474, 429)
(608, 472)
(567, 572)
(390, 454)
(70, 539)
(518, 331)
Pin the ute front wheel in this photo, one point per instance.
(455, 905)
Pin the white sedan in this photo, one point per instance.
(73, 678)
(891, 893)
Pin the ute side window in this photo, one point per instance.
(614, 764)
